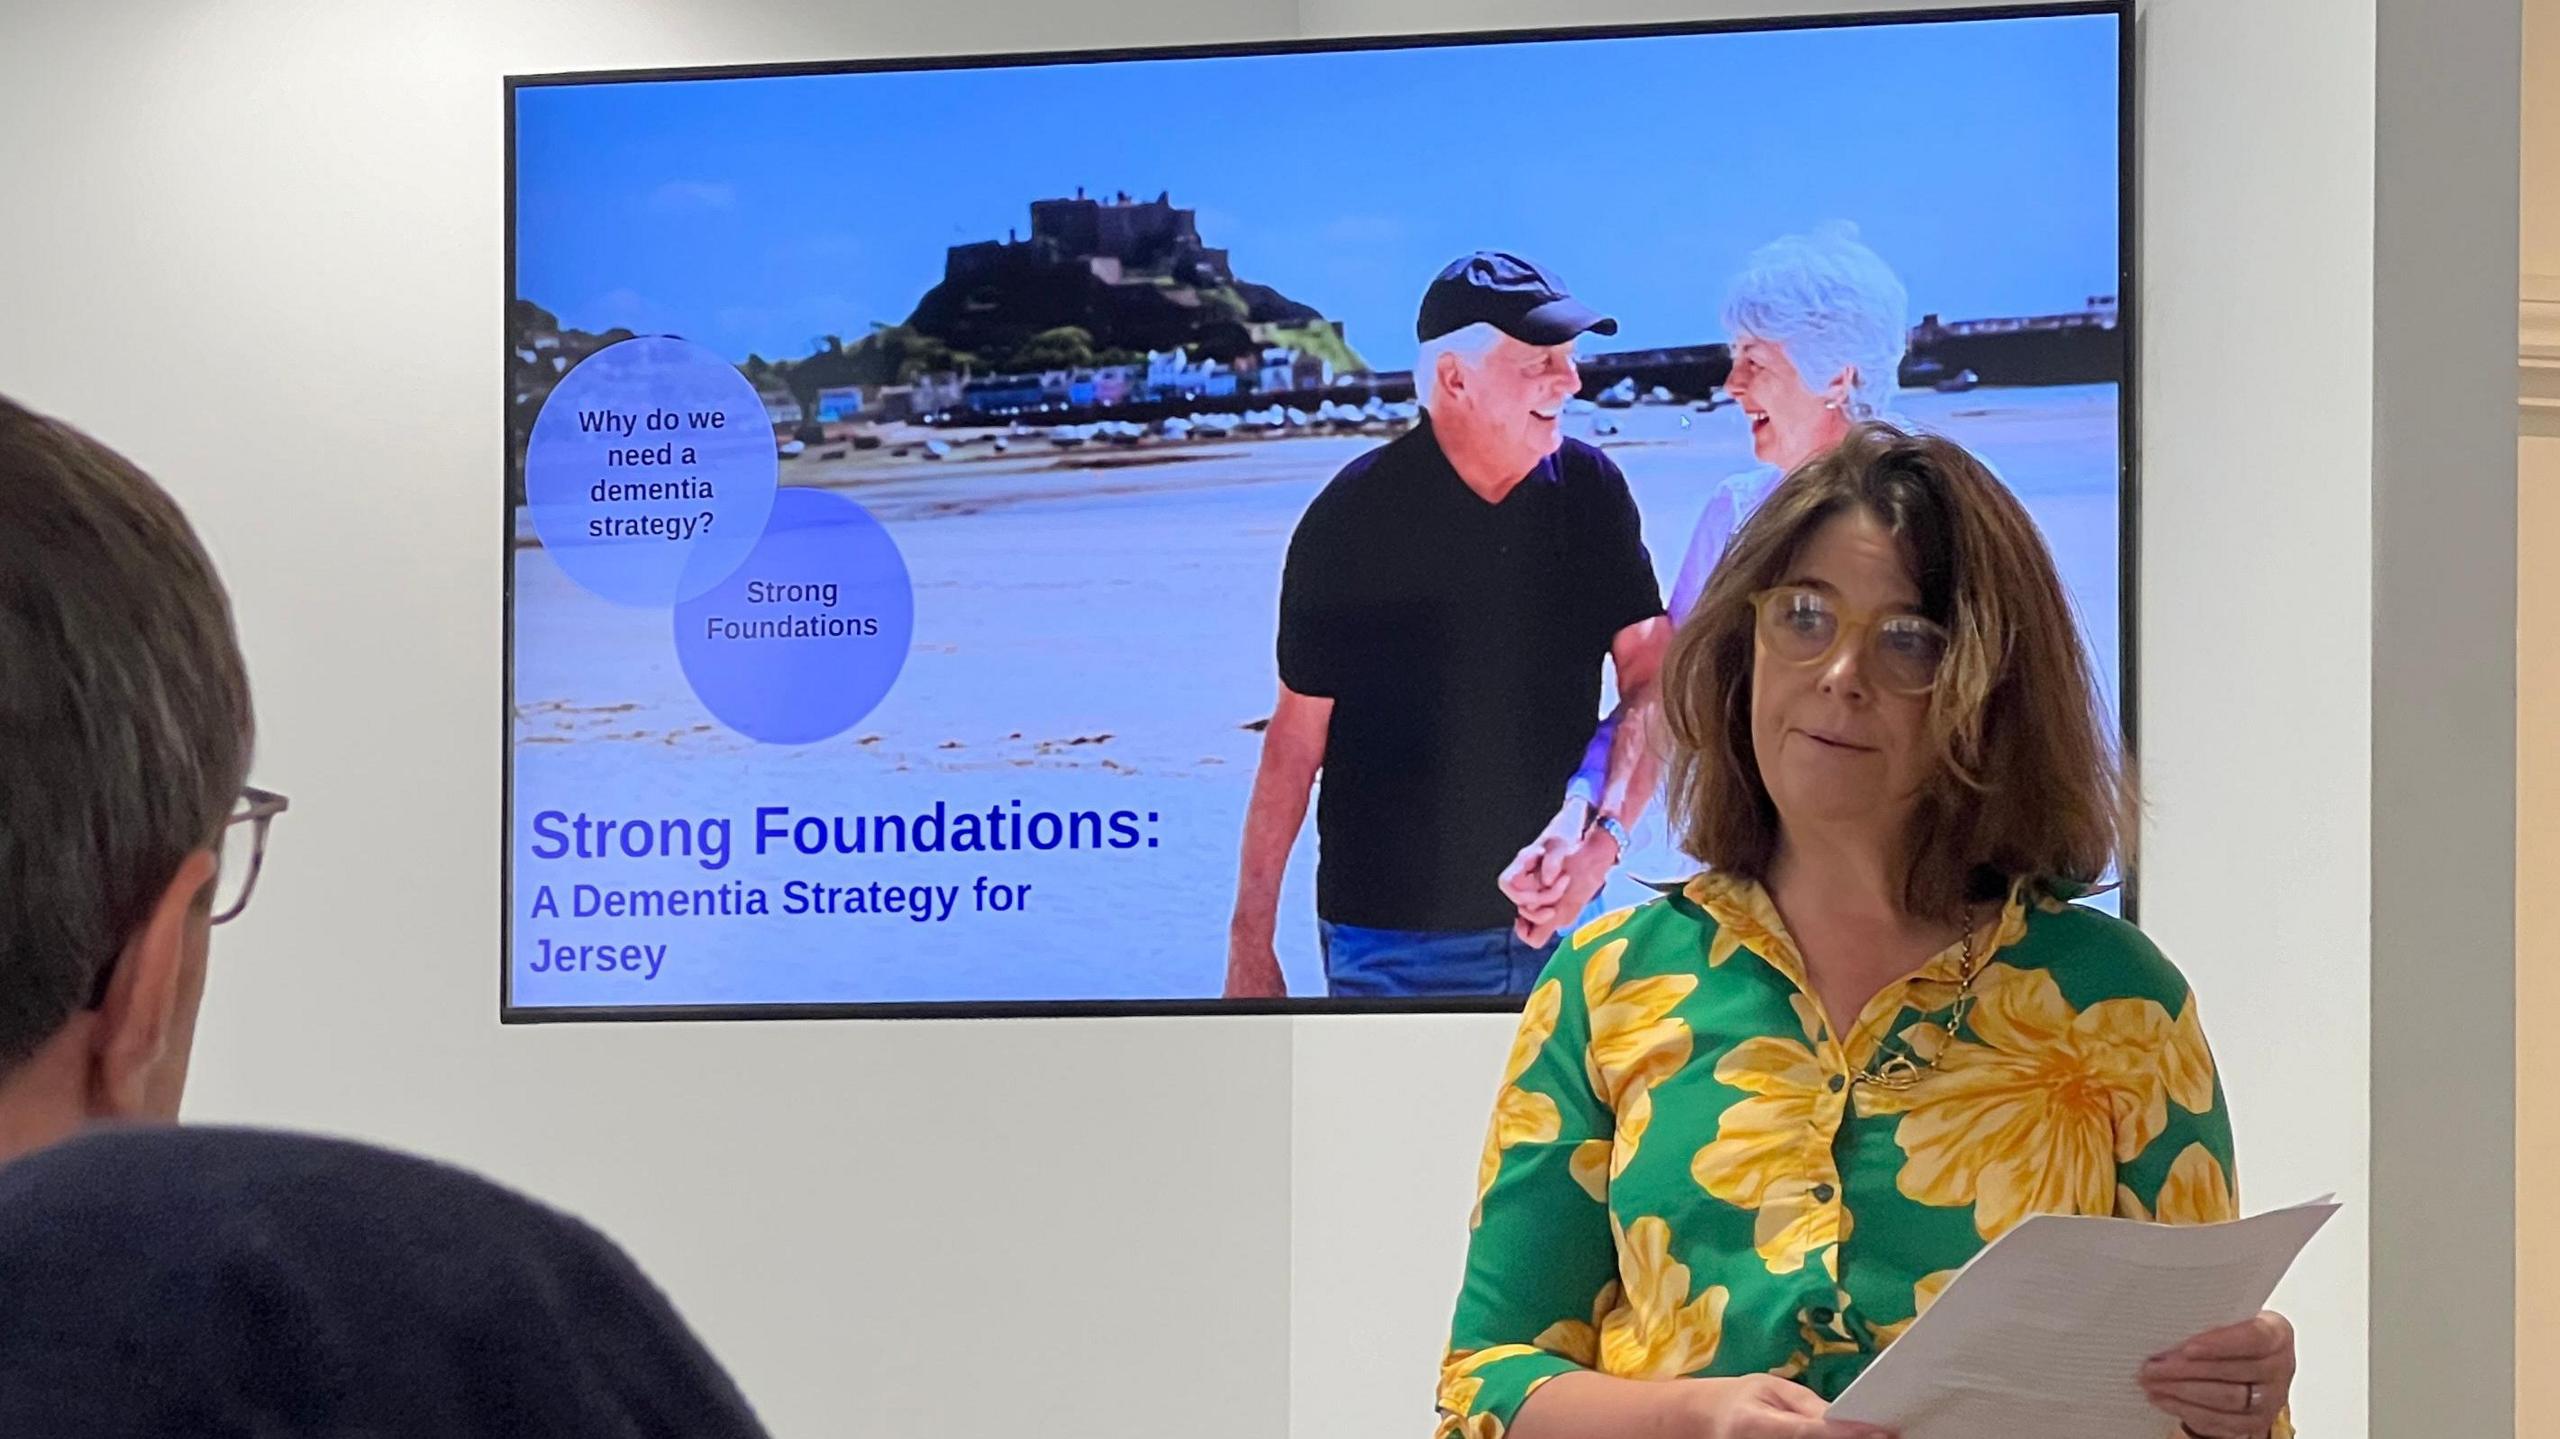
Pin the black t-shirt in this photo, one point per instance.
(1461, 643)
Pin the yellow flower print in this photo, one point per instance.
(1634, 1044)
(1590, 1165)
(1459, 1384)
(2034, 1118)
(1745, 918)
(1520, 1116)
(1769, 1155)
(2190, 1063)
(1602, 925)
(1459, 1387)
(2197, 1191)
(1576, 1340)
(1923, 1294)
(1633, 1121)
(1657, 1331)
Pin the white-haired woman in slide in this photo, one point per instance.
(1817, 325)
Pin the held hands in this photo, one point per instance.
(2227, 1384)
(1766, 1407)
(1551, 880)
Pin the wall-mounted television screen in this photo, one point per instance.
(1153, 531)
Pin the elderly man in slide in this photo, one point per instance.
(1448, 603)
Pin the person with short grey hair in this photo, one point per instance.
(1818, 325)
(1462, 351)
(125, 734)
(198, 1281)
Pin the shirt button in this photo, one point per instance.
(1822, 1193)
(1820, 1316)
(1839, 1082)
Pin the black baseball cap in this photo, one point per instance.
(1521, 298)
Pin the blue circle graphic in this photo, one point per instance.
(807, 634)
(650, 470)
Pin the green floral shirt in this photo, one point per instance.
(1682, 1179)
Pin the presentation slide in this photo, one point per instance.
(938, 494)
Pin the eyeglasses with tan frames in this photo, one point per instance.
(1800, 625)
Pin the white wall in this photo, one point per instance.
(2257, 352)
(2443, 865)
(259, 248)
(2537, 986)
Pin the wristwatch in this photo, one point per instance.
(1608, 824)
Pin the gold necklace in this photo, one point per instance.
(1902, 1071)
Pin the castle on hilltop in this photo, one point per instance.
(1133, 274)
(1117, 239)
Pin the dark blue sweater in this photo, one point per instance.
(217, 1283)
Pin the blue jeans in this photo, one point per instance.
(1418, 963)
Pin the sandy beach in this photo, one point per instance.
(1093, 629)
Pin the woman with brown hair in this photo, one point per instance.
(1750, 1129)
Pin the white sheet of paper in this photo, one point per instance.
(2046, 1330)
